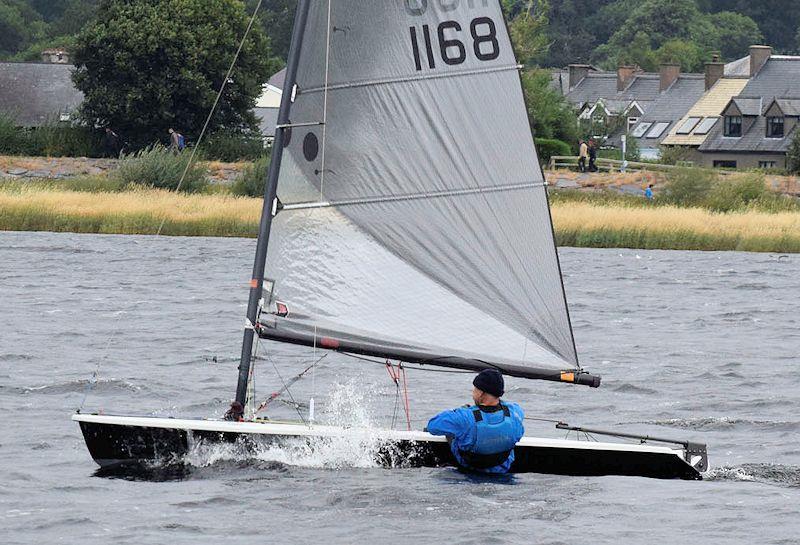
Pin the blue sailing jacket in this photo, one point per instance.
(477, 433)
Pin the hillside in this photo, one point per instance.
(604, 32)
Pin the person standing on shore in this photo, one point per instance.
(648, 193)
(112, 144)
(592, 156)
(583, 154)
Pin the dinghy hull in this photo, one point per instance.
(124, 443)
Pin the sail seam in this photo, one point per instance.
(412, 196)
(389, 81)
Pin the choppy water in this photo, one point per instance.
(697, 345)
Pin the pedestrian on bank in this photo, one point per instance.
(648, 193)
(176, 141)
(112, 144)
(592, 156)
(583, 155)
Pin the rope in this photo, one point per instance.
(216, 103)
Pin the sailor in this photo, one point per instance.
(482, 437)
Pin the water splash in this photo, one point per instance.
(782, 475)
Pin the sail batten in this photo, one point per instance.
(418, 211)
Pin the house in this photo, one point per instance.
(759, 123)
(692, 129)
(677, 93)
(606, 101)
(35, 94)
(268, 104)
(611, 104)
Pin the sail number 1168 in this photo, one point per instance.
(451, 49)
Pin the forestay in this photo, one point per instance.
(414, 209)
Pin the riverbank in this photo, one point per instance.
(579, 224)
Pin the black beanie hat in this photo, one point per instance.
(490, 381)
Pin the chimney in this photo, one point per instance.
(670, 73)
(576, 73)
(759, 55)
(715, 70)
(625, 75)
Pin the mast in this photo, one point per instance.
(270, 196)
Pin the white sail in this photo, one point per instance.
(415, 207)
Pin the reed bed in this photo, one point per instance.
(138, 211)
(582, 224)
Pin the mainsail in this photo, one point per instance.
(414, 221)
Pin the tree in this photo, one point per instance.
(527, 23)
(147, 65)
(733, 34)
(550, 115)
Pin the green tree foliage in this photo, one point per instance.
(551, 116)
(147, 65)
(793, 155)
(527, 23)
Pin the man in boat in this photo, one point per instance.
(482, 437)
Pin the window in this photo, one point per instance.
(724, 164)
(688, 125)
(767, 164)
(639, 131)
(632, 121)
(706, 126)
(657, 130)
(733, 126)
(775, 127)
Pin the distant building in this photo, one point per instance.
(268, 104)
(646, 106)
(55, 56)
(36, 94)
(759, 123)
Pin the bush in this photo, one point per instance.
(793, 154)
(737, 194)
(689, 187)
(159, 167)
(674, 155)
(53, 139)
(233, 147)
(549, 147)
(252, 180)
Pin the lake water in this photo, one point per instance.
(694, 345)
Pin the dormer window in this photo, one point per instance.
(775, 127)
(733, 126)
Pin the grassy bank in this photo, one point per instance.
(601, 224)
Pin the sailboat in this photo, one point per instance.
(406, 219)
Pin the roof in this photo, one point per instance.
(603, 85)
(711, 104)
(789, 106)
(779, 78)
(267, 120)
(748, 105)
(34, 94)
(669, 107)
(277, 79)
(739, 67)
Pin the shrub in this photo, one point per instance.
(737, 194)
(159, 167)
(53, 139)
(233, 147)
(252, 180)
(689, 187)
(548, 147)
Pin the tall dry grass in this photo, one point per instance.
(669, 227)
(140, 211)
